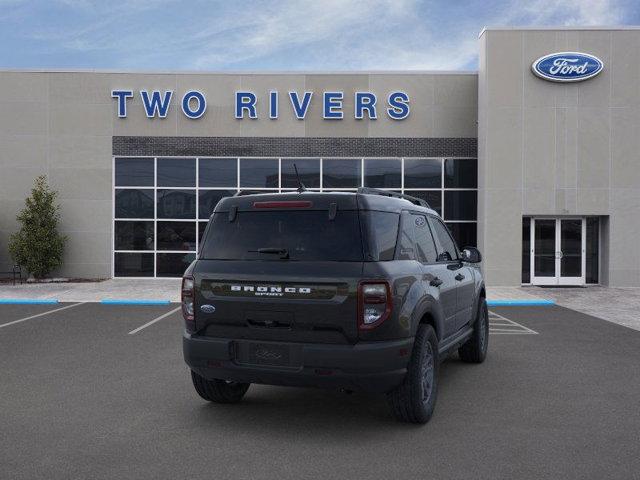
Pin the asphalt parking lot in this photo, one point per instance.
(87, 393)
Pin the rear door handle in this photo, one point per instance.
(436, 282)
(459, 277)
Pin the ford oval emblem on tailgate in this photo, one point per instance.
(207, 308)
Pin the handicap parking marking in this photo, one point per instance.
(30, 317)
(157, 319)
(499, 325)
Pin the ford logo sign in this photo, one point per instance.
(567, 67)
(207, 308)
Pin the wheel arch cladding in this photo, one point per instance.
(428, 318)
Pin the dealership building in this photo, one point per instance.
(534, 158)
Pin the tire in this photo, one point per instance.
(219, 391)
(415, 399)
(475, 349)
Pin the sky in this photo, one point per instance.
(277, 35)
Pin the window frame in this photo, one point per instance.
(235, 188)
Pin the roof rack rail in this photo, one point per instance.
(386, 193)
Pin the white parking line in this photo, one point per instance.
(499, 325)
(132, 332)
(39, 315)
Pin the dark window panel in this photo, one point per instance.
(465, 234)
(176, 203)
(254, 192)
(592, 253)
(382, 173)
(201, 227)
(382, 228)
(133, 264)
(427, 252)
(133, 236)
(134, 172)
(526, 250)
(447, 250)
(176, 235)
(432, 197)
(218, 172)
(176, 172)
(340, 173)
(134, 203)
(259, 172)
(422, 173)
(173, 264)
(208, 199)
(460, 173)
(460, 205)
(308, 168)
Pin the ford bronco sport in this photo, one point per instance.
(361, 290)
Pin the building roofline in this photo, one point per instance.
(562, 27)
(237, 72)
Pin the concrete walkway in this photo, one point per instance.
(617, 305)
(119, 289)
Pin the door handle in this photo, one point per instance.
(435, 282)
(459, 277)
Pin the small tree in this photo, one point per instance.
(38, 246)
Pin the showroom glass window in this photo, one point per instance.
(162, 205)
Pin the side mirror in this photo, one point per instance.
(471, 255)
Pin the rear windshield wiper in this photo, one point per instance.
(283, 252)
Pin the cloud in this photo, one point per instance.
(289, 34)
(569, 12)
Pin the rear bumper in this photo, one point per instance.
(365, 366)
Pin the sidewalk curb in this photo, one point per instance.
(520, 303)
(28, 301)
(115, 301)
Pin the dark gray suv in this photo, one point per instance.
(361, 290)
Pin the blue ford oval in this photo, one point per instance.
(567, 66)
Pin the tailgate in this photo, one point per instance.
(310, 302)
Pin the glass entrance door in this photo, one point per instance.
(558, 251)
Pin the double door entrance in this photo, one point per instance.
(558, 247)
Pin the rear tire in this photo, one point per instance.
(219, 391)
(475, 349)
(415, 399)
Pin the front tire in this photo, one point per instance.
(474, 350)
(219, 391)
(415, 400)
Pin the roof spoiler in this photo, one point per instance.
(387, 193)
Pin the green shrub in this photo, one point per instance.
(38, 246)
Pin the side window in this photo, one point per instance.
(406, 240)
(448, 250)
(382, 232)
(424, 241)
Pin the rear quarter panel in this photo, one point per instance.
(408, 292)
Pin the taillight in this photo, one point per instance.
(187, 303)
(374, 304)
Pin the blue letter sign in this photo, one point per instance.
(201, 101)
(246, 101)
(156, 105)
(122, 96)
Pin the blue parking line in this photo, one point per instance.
(114, 301)
(520, 303)
(28, 301)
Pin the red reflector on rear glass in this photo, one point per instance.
(287, 204)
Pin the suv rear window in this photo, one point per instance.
(306, 235)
